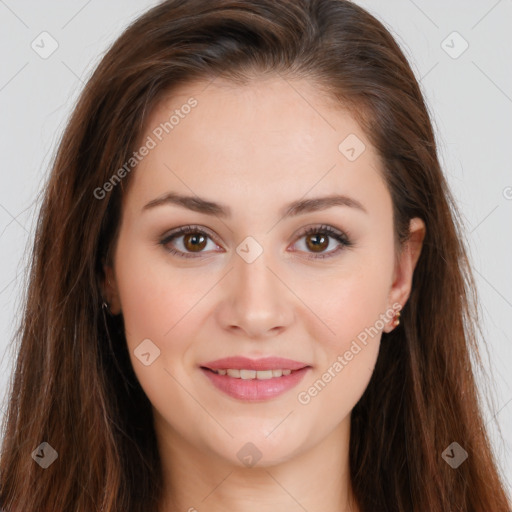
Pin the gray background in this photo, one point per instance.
(469, 95)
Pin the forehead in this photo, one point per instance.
(268, 137)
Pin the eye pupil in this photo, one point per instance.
(318, 246)
(193, 238)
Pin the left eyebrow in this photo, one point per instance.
(303, 206)
(299, 207)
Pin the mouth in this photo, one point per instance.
(245, 374)
(254, 379)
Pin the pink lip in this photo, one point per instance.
(255, 390)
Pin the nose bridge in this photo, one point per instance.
(257, 300)
(253, 279)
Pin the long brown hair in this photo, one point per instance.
(74, 386)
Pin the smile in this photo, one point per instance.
(254, 380)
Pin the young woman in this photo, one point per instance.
(249, 290)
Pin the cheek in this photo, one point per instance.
(352, 300)
(353, 306)
(158, 304)
(155, 299)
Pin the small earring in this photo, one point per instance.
(396, 322)
(105, 307)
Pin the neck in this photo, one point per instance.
(316, 479)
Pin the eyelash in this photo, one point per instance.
(324, 230)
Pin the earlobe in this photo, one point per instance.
(406, 263)
(110, 292)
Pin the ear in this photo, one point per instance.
(110, 290)
(405, 265)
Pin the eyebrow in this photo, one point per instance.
(299, 207)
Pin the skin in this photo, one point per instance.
(256, 148)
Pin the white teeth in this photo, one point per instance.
(253, 374)
(247, 374)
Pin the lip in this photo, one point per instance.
(255, 390)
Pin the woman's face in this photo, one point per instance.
(256, 164)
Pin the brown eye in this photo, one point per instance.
(317, 242)
(194, 242)
(188, 242)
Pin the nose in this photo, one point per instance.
(256, 303)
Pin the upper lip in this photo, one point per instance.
(244, 363)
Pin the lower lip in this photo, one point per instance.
(255, 390)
